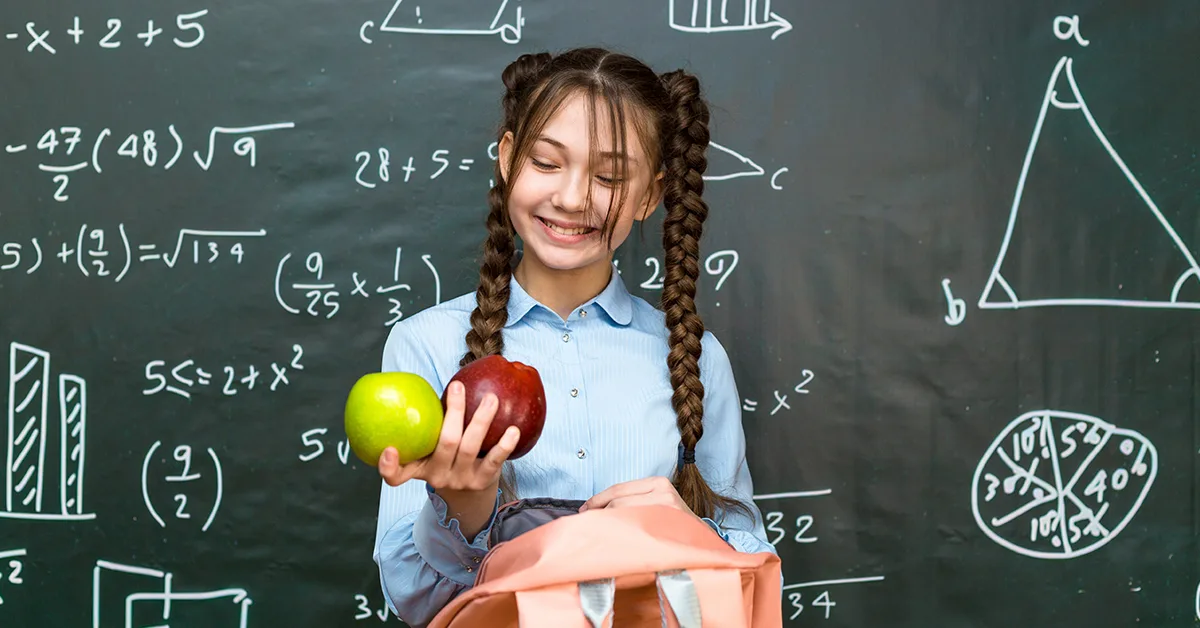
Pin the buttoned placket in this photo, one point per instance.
(572, 361)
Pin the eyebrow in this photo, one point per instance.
(553, 142)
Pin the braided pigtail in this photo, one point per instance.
(491, 310)
(486, 336)
(685, 162)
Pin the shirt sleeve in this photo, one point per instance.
(721, 452)
(424, 560)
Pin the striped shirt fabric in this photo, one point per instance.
(609, 419)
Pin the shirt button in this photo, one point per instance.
(583, 313)
(581, 454)
(566, 337)
(476, 559)
(469, 570)
(574, 392)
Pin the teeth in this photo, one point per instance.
(557, 229)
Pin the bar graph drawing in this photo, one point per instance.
(30, 428)
(717, 16)
(154, 602)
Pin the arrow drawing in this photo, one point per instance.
(700, 16)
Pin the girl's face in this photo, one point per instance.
(546, 202)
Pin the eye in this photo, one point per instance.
(609, 180)
(541, 165)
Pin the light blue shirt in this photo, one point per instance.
(609, 419)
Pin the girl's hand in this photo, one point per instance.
(656, 490)
(455, 464)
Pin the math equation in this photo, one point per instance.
(103, 254)
(315, 294)
(184, 377)
(70, 150)
(193, 484)
(186, 31)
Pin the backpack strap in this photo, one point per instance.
(679, 592)
(675, 591)
(597, 598)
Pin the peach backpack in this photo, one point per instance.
(550, 566)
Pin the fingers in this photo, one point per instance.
(392, 471)
(503, 449)
(452, 430)
(654, 498)
(616, 491)
(472, 438)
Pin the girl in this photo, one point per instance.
(589, 143)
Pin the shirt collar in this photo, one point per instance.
(615, 300)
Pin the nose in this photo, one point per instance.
(571, 193)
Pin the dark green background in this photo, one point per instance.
(902, 127)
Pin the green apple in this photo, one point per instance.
(393, 409)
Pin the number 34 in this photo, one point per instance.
(821, 600)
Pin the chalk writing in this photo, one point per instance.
(800, 532)
(719, 264)
(311, 439)
(102, 254)
(375, 166)
(11, 567)
(507, 21)
(956, 308)
(29, 432)
(142, 592)
(823, 599)
(781, 399)
(323, 297)
(706, 16)
(364, 610)
(372, 173)
(187, 32)
(184, 475)
(1065, 99)
(1061, 484)
(186, 376)
(777, 529)
(140, 146)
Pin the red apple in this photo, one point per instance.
(517, 386)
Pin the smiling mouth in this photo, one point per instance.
(567, 232)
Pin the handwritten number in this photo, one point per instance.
(827, 603)
(773, 519)
(794, 598)
(803, 523)
(296, 360)
(364, 612)
(654, 282)
(808, 377)
(366, 160)
(114, 25)
(229, 382)
(182, 22)
(62, 180)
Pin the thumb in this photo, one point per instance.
(389, 466)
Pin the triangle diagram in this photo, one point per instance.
(725, 163)
(1082, 230)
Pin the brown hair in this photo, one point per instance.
(671, 118)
